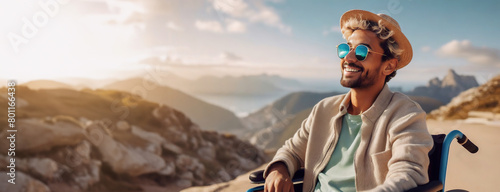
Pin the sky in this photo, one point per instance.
(101, 39)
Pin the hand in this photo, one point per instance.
(278, 179)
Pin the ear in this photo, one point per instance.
(390, 66)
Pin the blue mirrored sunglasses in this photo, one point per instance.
(361, 51)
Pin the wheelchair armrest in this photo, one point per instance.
(432, 186)
(258, 176)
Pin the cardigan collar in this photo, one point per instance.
(377, 108)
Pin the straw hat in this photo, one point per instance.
(390, 24)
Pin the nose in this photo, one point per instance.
(351, 56)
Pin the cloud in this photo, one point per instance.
(231, 26)
(235, 26)
(134, 18)
(146, 12)
(333, 29)
(212, 26)
(484, 56)
(257, 12)
(236, 8)
(426, 49)
(154, 60)
(228, 56)
(173, 26)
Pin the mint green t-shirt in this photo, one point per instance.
(339, 173)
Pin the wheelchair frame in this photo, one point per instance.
(437, 173)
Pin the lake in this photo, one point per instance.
(241, 105)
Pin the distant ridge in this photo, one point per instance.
(287, 106)
(208, 116)
(83, 83)
(262, 84)
(270, 126)
(47, 84)
(244, 85)
(444, 90)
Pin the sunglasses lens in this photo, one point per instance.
(343, 50)
(361, 52)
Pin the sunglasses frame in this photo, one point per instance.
(350, 49)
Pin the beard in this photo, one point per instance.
(365, 79)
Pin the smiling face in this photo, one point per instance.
(362, 74)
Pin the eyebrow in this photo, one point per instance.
(350, 45)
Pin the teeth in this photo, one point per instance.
(351, 70)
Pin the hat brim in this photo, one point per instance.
(398, 36)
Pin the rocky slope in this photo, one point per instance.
(483, 98)
(447, 88)
(284, 108)
(208, 116)
(267, 125)
(47, 84)
(103, 140)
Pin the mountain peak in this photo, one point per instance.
(451, 71)
(451, 79)
(450, 86)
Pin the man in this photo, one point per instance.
(369, 139)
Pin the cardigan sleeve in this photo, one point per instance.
(292, 153)
(411, 143)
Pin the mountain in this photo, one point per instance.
(104, 140)
(86, 83)
(447, 88)
(273, 137)
(208, 116)
(268, 127)
(262, 84)
(276, 80)
(284, 108)
(483, 98)
(428, 104)
(47, 84)
(229, 85)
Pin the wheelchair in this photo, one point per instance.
(438, 157)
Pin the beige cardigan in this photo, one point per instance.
(392, 154)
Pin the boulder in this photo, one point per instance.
(162, 112)
(168, 170)
(184, 183)
(36, 136)
(184, 162)
(172, 148)
(154, 138)
(44, 167)
(187, 176)
(23, 183)
(207, 153)
(83, 150)
(131, 161)
(223, 175)
(122, 126)
(88, 175)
